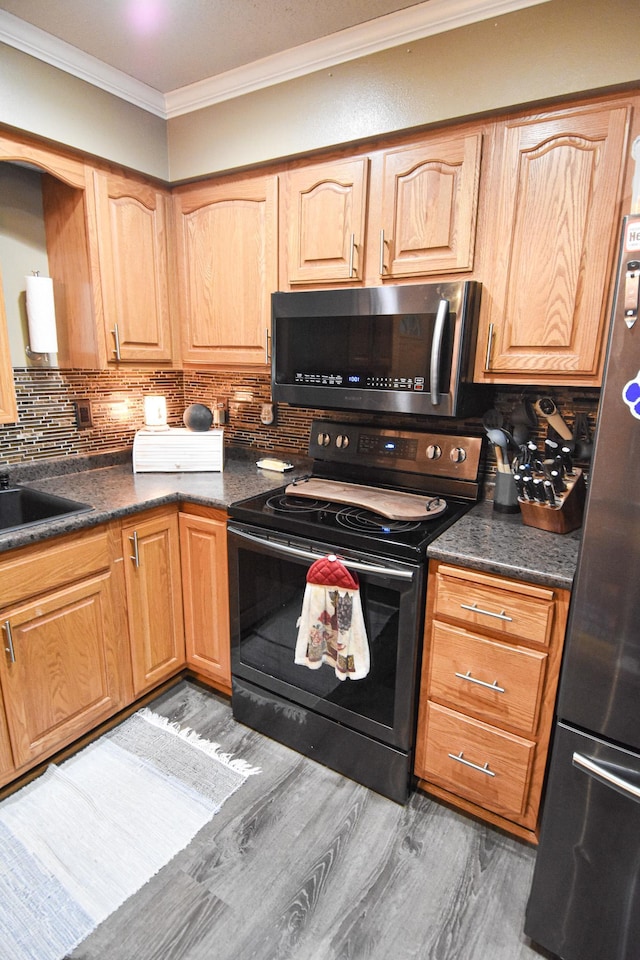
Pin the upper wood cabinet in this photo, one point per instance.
(227, 269)
(65, 206)
(555, 191)
(429, 207)
(132, 242)
(325, 216)
(409, 212)
(107, 247)
(8, 406)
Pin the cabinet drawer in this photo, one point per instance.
(478, 762)
(48, 565)
(495, 682)
(519, 611)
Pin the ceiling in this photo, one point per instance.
(146, 50)
(171, 43)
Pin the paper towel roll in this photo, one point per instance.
(41, 315)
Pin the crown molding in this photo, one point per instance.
(43, 46)
(404, 26)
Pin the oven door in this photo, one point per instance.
(267, 579)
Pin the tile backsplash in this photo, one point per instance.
(48, 425)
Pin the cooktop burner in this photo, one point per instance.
(366, 521)
(285, 503)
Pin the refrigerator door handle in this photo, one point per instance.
(609, 779)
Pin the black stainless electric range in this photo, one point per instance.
(385, 495)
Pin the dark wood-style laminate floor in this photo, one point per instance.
(303, 864)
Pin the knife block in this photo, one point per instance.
(564, 518)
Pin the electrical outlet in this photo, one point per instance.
(83, 414)
(267, 414)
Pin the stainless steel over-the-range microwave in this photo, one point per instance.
(388, 349)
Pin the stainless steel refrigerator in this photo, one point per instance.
(585, 897)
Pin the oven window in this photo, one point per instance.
(270, 596)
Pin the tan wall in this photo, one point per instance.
(544, 52)
(50, 103)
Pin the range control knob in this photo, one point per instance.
(434, 452)
(458, 454)
(342, 441)
(323, 439)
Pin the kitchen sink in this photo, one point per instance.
(23, 507)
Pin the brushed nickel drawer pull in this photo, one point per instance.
(474, 766)
(9, 648)
(487, 613)
(481, 683)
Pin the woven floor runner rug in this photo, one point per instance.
(81, 839)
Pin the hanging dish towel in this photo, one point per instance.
(331, 626)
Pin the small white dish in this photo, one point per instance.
(277, 466)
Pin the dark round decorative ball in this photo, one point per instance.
(197, 417)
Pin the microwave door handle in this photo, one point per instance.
(436, 350)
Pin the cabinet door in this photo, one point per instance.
(557, 189)
(59, 671)
(227, 248)
(8, 406)
(7, 768)
(203, 547)
(131, 224)
(325, 207)
(429, 207)
(153, 583)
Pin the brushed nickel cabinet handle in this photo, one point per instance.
(486, 613)
(135, 556)
(481, 683)
(267, 345)
(116, 337)
(352, 247)
(382, 241)
(487, 360)
(459, 757)
(9, 648)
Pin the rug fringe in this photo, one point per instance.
(212, 749)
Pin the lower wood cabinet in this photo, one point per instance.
(91, 621)
(64, 664)
(491, 660)
(203, 544)
(151, 548)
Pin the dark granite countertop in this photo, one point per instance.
(482, 539)
(116, 491)
(500, 543)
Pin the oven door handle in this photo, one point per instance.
(309, 555)
(436, 350)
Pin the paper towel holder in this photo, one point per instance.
(41, 321)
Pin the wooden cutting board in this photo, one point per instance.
(388, 503)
